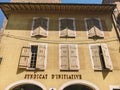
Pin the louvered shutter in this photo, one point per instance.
(41, 57)
(97, 28)
(96, 57)
(24, 57)
(91, 32)
(70, 25)
(36, 27)
(40, 27)
(90, 28)
(64, 32)
(99, 33)
(63, 57)
(106, 56)
(43, 27)
(63, 28)
(73, 57)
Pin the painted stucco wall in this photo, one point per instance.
(17, 34)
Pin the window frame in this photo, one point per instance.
(45, 62)
(68, 56)
(33, 22)
(92, 61)
(114, 87)
(31, 53)
(74, 25)
(100, 23)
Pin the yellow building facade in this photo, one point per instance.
(53, 46)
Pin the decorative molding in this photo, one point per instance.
(81, 82)
(114, 87)
(21, 82)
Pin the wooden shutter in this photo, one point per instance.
(63, 57)
(99, 33)
(36, 29)
(96, 57)
(106, 56)
(43, 27)
(40, 27)
(90, 28)
(41, 56)
(24, 57)
(63, 28)
(91, 32)
(97, 28)
(73, 57)
(70, 25)
(64, 32)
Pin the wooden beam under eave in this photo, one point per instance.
(37, 6)
(17, 7)
(12, 7)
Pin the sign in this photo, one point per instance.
(52, 76)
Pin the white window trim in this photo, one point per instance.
(114, 87)
(87, 28)
(76, 53)
(92, 61)
(73, 25)
(81, 82)
(34, 23)
(21, 82)
(45, 62)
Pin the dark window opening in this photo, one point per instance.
(27, 87)
(77, 87)
(102, 58)
(34, 50)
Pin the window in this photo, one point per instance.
(100, 57)
(68, 57)
(67, 28)
(94, 28)
(40, 27)
(34, 49)
(34, 57)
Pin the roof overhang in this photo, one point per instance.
(8, 8)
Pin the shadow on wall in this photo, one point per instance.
(22, 24)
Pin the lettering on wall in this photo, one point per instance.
(52, 76)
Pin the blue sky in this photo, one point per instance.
(63, 1)
(1, 14)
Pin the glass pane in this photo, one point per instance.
(27, 87)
